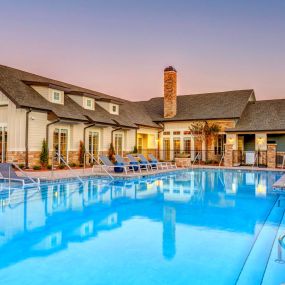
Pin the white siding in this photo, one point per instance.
(37, 130)
(130, 142)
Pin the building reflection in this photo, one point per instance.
(168, 243)
(62, 213)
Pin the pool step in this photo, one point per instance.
(255, 264)
(275, 269)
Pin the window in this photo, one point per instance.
(56, 96)
(94, 144)
(220, 142)
(60, 144)
(176, 146)
(187, 145)
(114, 109)
(166, 133)
(89, 103)
(118, 145)
(176, 133)
(187, 133)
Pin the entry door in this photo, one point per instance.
(166, 149)
(60, 143)
(119, 144)
(94, 143)
(3, 144)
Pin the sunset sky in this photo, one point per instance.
(120, 47)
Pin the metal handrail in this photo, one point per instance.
(195, 158)
(99, 164)
(66, 164)
(23, 172)
(222, 158)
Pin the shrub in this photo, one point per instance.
(37, 167)
(21, 165)
(49, 166)
(81, 152)
(72, 164)
(61, 166)
(44, 153)
(111, 152)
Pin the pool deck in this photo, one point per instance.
(49, 175)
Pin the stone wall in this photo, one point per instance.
(271, 155)
(228, 160)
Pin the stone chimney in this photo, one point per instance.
(170, 92)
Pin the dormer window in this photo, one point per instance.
(114, 109)
(88, 103)
(56, 97)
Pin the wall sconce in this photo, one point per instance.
(260, 140)
(231, 140)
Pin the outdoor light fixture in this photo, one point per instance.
(260, 140)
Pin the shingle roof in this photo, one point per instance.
(14, 83)
(219, 105)
(267, 115)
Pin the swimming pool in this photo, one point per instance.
(190, 227)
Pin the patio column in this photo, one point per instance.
(228, 160)
(271, 155)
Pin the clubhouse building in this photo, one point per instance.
(34, 108)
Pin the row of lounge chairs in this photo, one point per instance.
(134, 164)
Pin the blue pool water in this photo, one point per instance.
(189, 227)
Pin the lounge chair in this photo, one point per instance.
(143, 165)
(143, 160)
(153, 160)
(8, 173)
(108, 164)
(162, 164)
(132, 165)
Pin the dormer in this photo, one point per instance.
(110, 106)
(51, 92)
(85, 100)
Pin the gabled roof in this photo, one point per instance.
(218, 105)
(267, 115)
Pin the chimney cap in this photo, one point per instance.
(170, 68)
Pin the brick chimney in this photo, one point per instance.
(170, 92)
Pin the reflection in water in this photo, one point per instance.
(169, 220)
(48, 220)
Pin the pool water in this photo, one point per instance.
(188, 227)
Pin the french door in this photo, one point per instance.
(60, 143)
(3, 143)
(166, 149)
(118, 144)
(93, 145)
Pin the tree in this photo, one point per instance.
(204, 131)
(44, 154)
(81, 152)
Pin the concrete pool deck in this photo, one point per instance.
(49, 175)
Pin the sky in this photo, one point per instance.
(120, 47)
